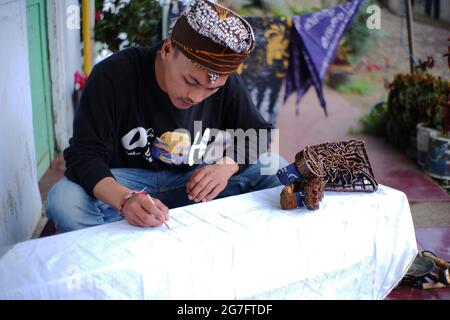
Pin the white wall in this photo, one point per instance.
(20, 202)
(65, 59)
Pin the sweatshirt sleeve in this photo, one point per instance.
(242, 116)
(90, 148)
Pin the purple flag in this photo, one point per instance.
(315, 38)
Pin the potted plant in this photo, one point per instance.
(423, 139)
(416, 104)
(437, 163)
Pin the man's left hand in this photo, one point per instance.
(207, 182)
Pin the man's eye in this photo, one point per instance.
(188, 82)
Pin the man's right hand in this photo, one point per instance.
(141, 211)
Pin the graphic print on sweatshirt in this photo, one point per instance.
(175, 147)
(171, 148)
(138, 142)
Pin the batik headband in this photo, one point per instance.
(214, 38)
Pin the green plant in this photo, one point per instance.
(300, 11)
(359, 38)
(357, 87)
(292, 11)
(276, 9)
(374, 122)
(248, 7)
(446, 116)
(353, 132)
(415, 98)
(123, 24)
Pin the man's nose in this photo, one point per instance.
(196, 96)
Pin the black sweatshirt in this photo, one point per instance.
(123, 109)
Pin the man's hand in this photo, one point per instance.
(207, 182)
(140, 211)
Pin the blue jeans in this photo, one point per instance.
(71, 208)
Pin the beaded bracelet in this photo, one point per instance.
(127, 197)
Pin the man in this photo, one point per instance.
(135, 102)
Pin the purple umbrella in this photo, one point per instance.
(315, 38)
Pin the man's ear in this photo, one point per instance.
(167, 49)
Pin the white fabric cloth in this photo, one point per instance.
(357, 246)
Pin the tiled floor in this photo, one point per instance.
(436, 240)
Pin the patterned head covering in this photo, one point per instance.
(214, 38)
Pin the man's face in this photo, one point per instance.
(184, 83)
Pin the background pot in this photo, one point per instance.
(438, 157)
(423, 139)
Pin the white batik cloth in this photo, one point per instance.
(357, 246)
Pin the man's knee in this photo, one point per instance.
(262, 174)
(65, 198)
